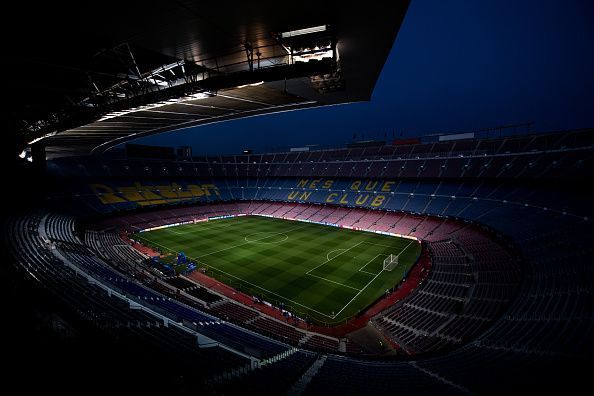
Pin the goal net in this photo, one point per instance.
(390, 262)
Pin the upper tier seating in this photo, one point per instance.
(506, 222)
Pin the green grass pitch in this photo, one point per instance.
(327, 274)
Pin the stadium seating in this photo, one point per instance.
(509, 242)
(551, 155)
(97, 307)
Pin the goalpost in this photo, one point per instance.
(390, 262)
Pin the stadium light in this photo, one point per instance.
(195, 96)
(41, 137)
(301, 32)
(316, 55)
(251, 85)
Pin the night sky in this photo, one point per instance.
(455, 66)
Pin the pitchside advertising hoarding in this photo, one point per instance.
(194, 221)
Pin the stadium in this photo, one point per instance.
(439, 263)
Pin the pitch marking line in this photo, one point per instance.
(357, 295)
(365, 287)
(171, 230)
(360, 269)
(228, 248)
(337, 283)
(379, 244)
(339, 254)
(216, 225)
(266, 290)
(247, 238)
(255, 240)
(367, 263)
(193, 230)
(331, 251)
(295, 302)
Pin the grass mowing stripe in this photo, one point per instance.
(374, 278)
(269, 291)
(328, 260)
(248, 242)
(357, 295)
(330, 280)
(378, 244)
(289, 270)
(373, 259)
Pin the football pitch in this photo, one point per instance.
(323, 273)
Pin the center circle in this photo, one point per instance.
(266, 237)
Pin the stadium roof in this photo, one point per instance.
(101, 73)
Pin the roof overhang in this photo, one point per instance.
(116, 72)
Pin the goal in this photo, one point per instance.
(390, 262)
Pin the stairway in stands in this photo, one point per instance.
(305, 379)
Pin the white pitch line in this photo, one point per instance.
(406, 247)
(365, 287)
(365, 265)
(357, 295)
(338, 283)
(230, 247)
(171, 229)
(379, 244)
(245, 238)
(204, 226)
(266, 290)
(331, 251)
(307, 273)
(255, 240)
(339, 254)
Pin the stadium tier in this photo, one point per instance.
(555, 155)
(185, 211)
(499, 278)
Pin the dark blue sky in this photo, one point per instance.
(455, 66)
